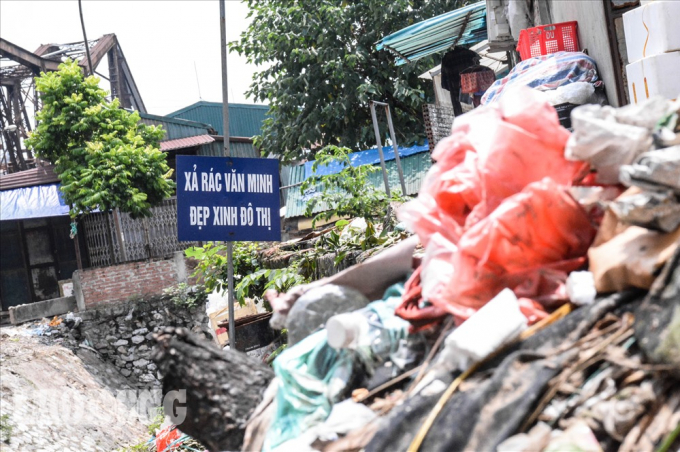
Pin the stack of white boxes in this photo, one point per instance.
(653, 42)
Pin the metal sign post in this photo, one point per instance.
(228, 199)
(227, 153)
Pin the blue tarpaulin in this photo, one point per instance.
(369, 157)
(32, 202)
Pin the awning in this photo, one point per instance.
(188, 142)
(496, 61)
(369, 157)
(466, 25)
(32, 202)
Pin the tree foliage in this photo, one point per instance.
(322, 69)
(104, 156)
(347, 193)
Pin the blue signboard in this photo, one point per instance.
(227, 199)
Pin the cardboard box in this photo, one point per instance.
(655, 75)
(222, 334)
(652, 29)
(66, 288)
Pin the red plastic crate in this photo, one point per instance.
(547, 39)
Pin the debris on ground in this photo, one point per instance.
(537, 306)
(50, 401)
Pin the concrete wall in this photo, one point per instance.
(40, 309)
(592, 34)
(100, 286)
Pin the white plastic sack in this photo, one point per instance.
(216, 302)
(603, 142)
(578, 93)
(608, 137)
(356, 226)
(345, 417)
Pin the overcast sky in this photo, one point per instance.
(161, 40)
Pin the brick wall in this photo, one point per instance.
(99, 286)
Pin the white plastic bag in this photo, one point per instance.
(608, 137)
(437, 265)
(216, 302)
(581, 288)
(578, 93)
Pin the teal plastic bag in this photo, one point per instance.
(313, 375)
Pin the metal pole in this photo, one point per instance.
(393, 136)
(119, 234)
(227, 153)
(225, 82)
(76, 243)
(87, 47)
(380, 149)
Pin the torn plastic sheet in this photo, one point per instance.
(658, 211)
(654, 170)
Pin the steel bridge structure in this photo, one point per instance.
(18, 96)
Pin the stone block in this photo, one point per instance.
(141, 363)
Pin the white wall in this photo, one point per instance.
(592, 34)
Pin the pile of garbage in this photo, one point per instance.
(541, 312)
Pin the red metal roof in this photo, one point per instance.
(40, 175)
(187, 142)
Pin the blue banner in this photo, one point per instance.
(227, 199)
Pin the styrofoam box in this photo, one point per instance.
(662, 20)
(655, 75)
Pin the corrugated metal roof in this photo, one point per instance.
(175, 127)
(29, 178)
(245, 120)
(465, 25)
(238, 148)
(415, 168)
(187, 142)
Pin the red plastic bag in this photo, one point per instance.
(529, 244)
(409, 309)
(492, 153)
(167, 436)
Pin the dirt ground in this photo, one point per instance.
(52, 400)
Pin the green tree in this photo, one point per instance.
(347, 193)
(322, 69)
(104, 156)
